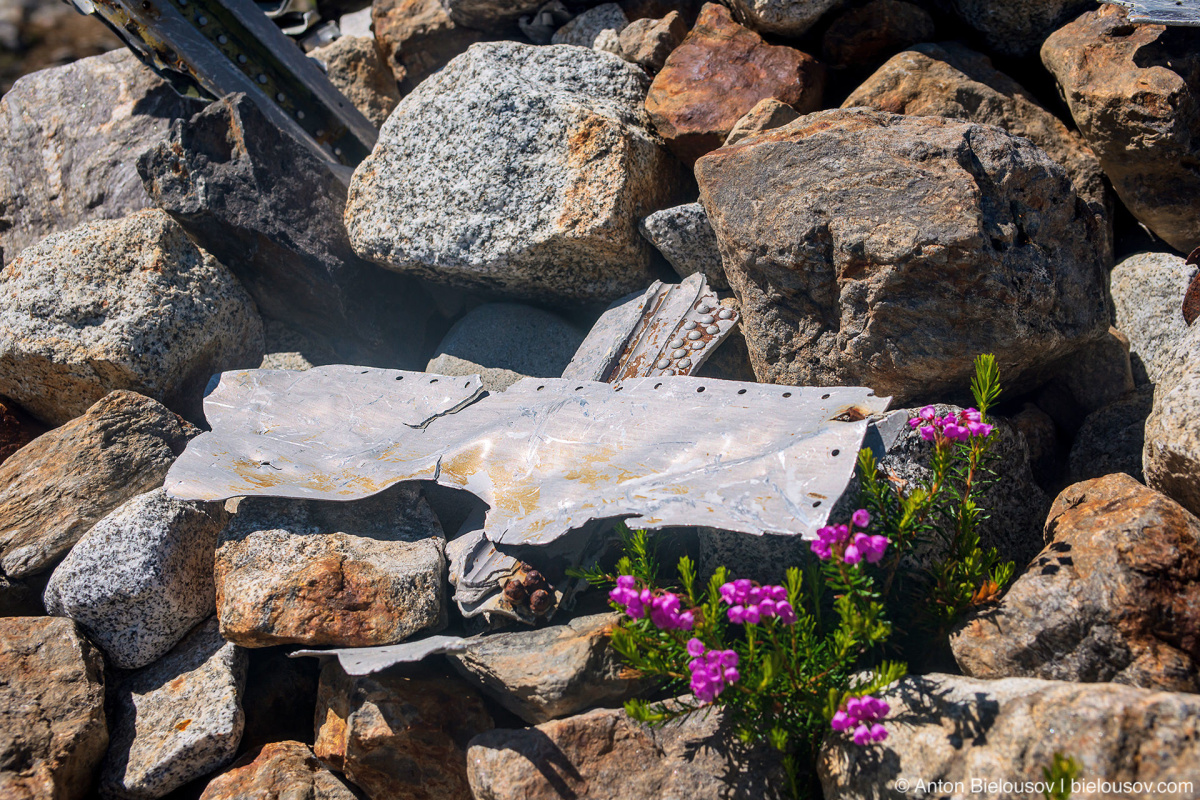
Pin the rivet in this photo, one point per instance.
(689, 326)
(677, 343)
(280, 97)
(695, 335)
(242, 58)
(678, 353)
(663, 363)
(707, 319)
(703, 308)
(299, 115)
(726, 313)
(712, 330)
(698, 345)
(222, 39)
(337, 151)
(202, 21)
(683, 363)
(262, 78)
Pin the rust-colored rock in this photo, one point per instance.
(1114, 597)
(718, 74)
(52, 727)
(53, 490)
(417, 38)
(1134, 92)
(398, 736)
(279, 771)
(17, 429)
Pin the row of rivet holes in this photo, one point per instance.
(280, 97)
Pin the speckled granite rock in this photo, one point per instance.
(71, 136)
(538, 189)
(510, 336)
(52, 728)
(1134, 92)
(495, 379)
(1018, 27)
(280, 771)
(550, 672)
(950, 80)
(398, 736)
(176, 720)
(122, 304)
(719, 72)
(1171, 455)
(686, 239)
(355, 574)
(1147, 292)
(951, 728)
(868, 294)
(355, 67)
(1111, 438)
(790, 18)
(582, 30)
(141, 578)
(767, 113)
(57, 487)
(417, 38)
(605, 754)
(1114, 597)
(866, 35)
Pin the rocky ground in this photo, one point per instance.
(882, 189)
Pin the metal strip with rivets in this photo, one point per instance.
(1161, 12)
(548, 456)
(211, 48)
(670, 329)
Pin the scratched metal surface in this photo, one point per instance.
(1162, 12)
(365, 660)
(547, 455)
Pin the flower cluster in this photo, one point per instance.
(752, 603)
(862, 714)
(960, 428)
(711, 671)
(663, 608)
(842, 542)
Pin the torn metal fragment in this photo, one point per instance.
(548, 456)
(1161, 12)
(366, 660)
(211, 48)
(670, 329)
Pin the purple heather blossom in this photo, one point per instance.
(862, 715)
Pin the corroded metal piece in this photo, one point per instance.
(365, 660)
(548, 456)
(211, 48)
(1161, 12)
(670, 329)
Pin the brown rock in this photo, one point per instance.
(648, 42)
(605, 754)
(52, 728)
(1171, 453)
(718, 74)
(279, 771)
(949, 80)
(766, 114)
(840, 283)
(356, 68)
(17, 429)
(1134, 92)
(864, 36)
(417, 38)
(1114, 597)
(54, 489)
(397, 736)
(355, 574)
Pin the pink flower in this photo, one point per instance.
(861, 518)
(862, 714)
(695, 647)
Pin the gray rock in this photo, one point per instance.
(355, 67)
(176, 720)
(489, 15)
(53, 490)
(647, 42)
(846, 286)
(686, 239)
(863, 36)
(956, 729)
(52, 728)
(495, 379)
(141, 578)
(551, 672)
(603, 753)
(1095, 375)
(583, 30)
(515, 337)
(1111, 438)
(354, 574)
(123, 304)
(517, 169)
(1171, 455)
(70, 136)
(272, 212)
(768, 113)
(790, 18)
(1018, 27)
(1119, 560)
(356, 23)
(1147, 292)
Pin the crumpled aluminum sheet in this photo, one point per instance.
(366, 660)
(548, 456)
(1161, 12)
